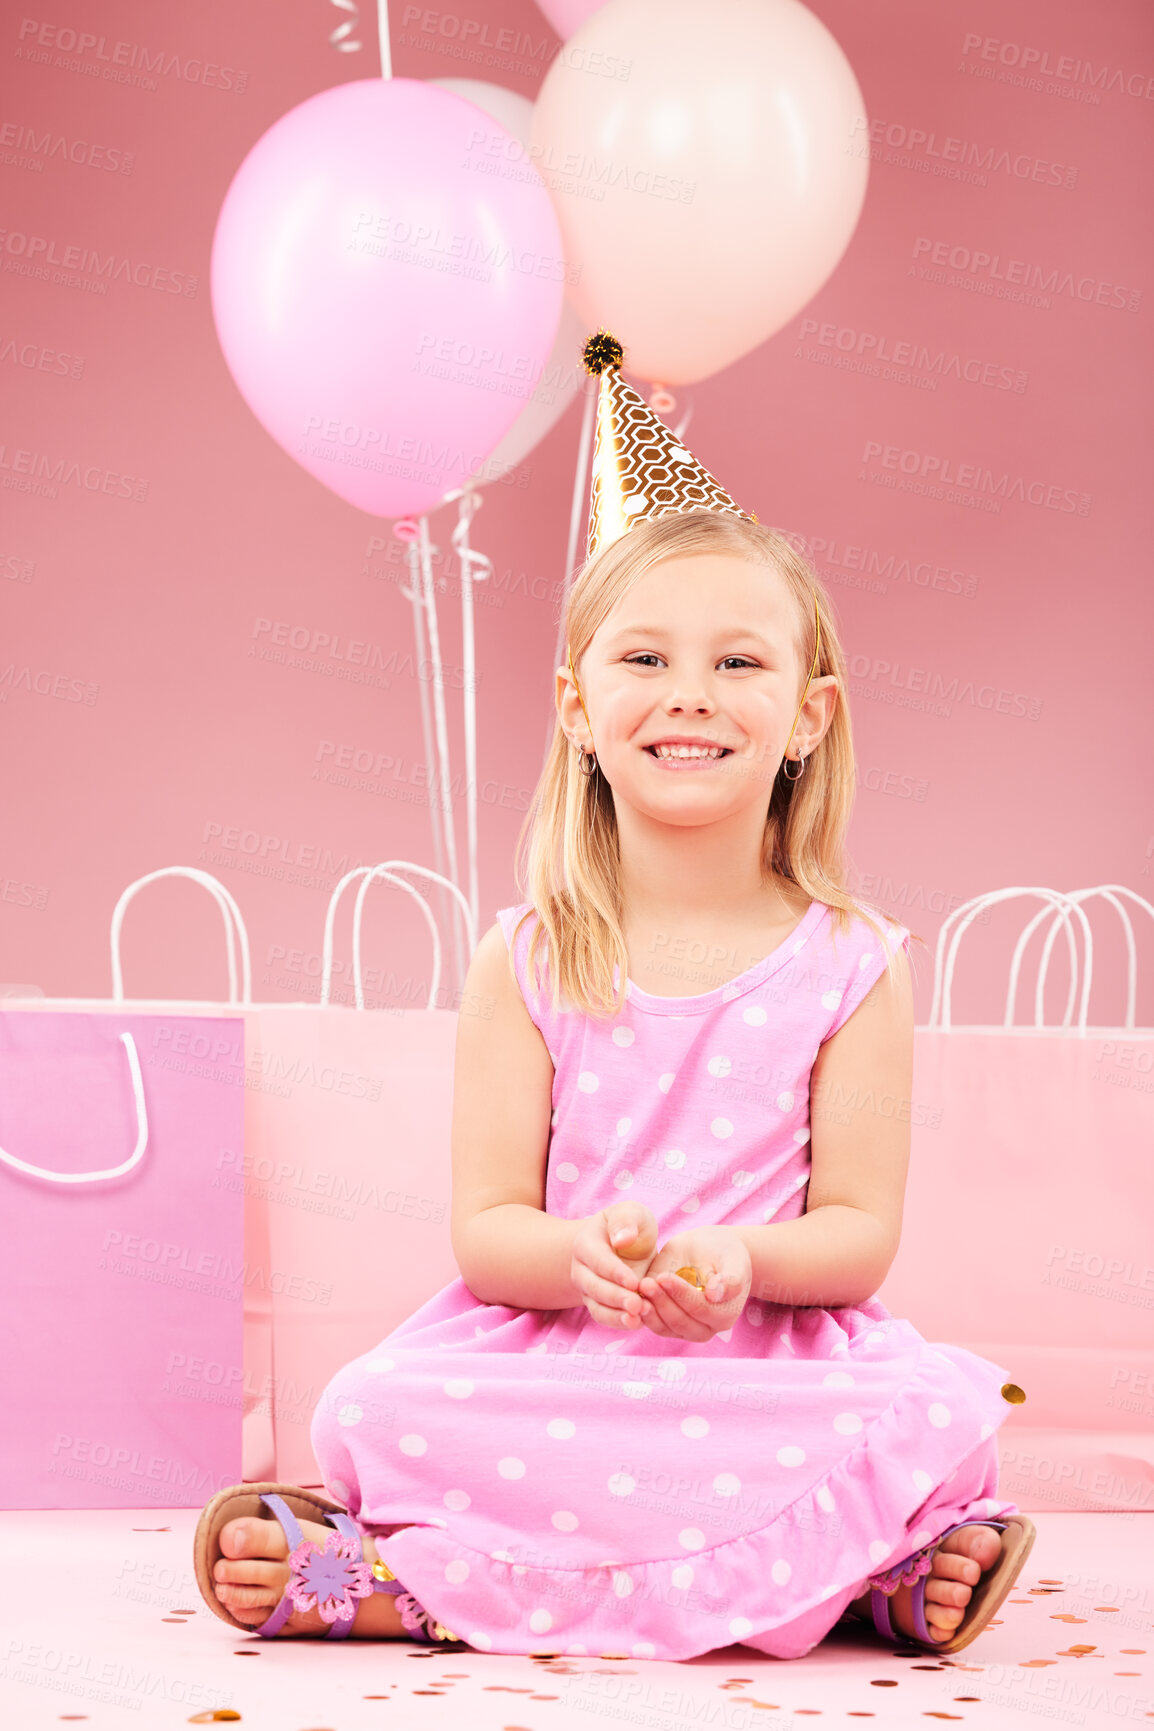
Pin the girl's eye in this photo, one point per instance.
(649, 655)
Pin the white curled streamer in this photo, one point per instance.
(475, 568)
(340, 36)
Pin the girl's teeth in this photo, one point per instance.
(688, 751)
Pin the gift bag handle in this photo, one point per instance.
(386, 872)
(1109, 893)
(955, 927)
(230, 913)
(110, 1171)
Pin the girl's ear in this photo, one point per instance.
(567, 701)
(817, 712)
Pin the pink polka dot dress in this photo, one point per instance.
(562, 1486)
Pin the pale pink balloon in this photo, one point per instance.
(566, 16)
(377, 274)
(563, 372)
(708, 169)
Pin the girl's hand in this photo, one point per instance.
(611, 1251)
(681, 1309)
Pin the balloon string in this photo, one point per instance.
(443, 792)
(584, 451)
(475, 567)
(340, 38)
(413, 594)
(384, 38)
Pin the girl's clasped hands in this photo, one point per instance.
(626, 1282)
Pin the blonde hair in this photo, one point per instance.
(569, 835)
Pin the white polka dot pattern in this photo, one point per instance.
(552, 1483)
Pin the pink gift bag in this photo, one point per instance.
(341, 1169)
(350, 1164)
(1030, 1160)
(121, 1274)
(240, 1391)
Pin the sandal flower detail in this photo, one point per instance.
(907, 1572)
(331, 1577)
(996, 1581)
(418, 1621)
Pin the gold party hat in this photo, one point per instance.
(641, 470)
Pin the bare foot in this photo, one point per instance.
(960, 1561)
(252, 1575)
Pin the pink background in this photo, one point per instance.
(156, 730)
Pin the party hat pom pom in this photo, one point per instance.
(602, 351)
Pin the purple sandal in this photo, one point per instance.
(330, 1578)
(995, 1582)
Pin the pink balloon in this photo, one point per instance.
(566, 16)
(564, 372)
(708, 195)
(385, 290)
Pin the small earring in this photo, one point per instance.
(800, 761)
(586, 760)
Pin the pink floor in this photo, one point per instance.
(102, 1623)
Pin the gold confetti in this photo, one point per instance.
(692, 1276)
(1012, 1393)
(213, 1715)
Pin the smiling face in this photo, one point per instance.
(703, 647)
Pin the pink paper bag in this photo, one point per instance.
(122, 1290)
(1030, 1165)
(245, 1385)
(349, 1165)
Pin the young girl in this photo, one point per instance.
(661, 1410)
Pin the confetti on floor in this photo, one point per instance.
(136, 1630)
